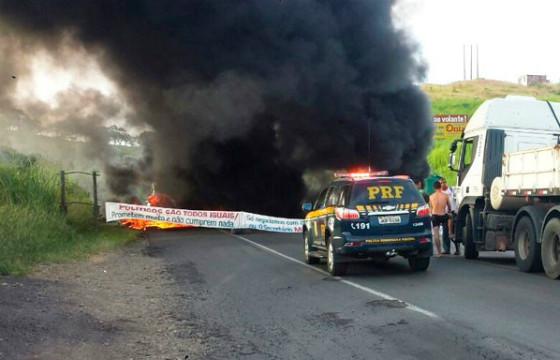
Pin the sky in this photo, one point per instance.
(514, 37)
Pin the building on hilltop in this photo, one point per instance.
(532, 79)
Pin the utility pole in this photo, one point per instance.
(464, 64)
(471, 61)
(477, 72)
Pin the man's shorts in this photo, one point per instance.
(438, 220)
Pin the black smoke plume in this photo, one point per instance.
(245, 96)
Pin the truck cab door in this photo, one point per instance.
(466, 158)
(470, 168)
(493, 152)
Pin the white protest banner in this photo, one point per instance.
(202, 218)
(270, 223)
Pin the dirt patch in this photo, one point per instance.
(123, 305)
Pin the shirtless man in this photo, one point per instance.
(439, 202)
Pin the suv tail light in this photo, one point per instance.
(423, 211)
(347, 214)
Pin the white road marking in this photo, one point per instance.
(347, 282)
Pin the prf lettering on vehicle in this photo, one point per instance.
(385, 192)
(374, 207)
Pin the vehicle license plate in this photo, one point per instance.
(390, 219)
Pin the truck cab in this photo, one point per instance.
(498, 126)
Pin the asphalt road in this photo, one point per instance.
(250, 296)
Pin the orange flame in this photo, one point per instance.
(161, 200)
(156, 199)
(138, 224)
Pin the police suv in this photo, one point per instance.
(368, 216)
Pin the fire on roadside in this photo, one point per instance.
(155, 199)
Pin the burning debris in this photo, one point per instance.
(244, 97)
(138, 224)
(155, 199)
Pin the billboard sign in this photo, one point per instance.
(449, 126)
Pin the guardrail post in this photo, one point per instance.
(63, 207)
(95, 203)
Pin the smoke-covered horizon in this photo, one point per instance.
(244, 97)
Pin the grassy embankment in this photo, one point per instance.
(464, 98)
(32, 228)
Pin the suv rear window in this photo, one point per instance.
(384, 191)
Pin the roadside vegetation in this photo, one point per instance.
(34, 231)
(464, 98)
(32, 228)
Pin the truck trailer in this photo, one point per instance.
(508, 182)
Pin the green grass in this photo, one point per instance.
(33, 229)
(456, 106)
(438, 160)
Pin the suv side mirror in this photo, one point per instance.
(307, 206)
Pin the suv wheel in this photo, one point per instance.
(419, 263)
(334, 267)
(306, 249)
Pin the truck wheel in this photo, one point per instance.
(419, 263)
(334, 267)
(306, 249)
(470, 247)
(550, 249)
(527, 250)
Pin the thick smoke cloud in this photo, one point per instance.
(245, 96)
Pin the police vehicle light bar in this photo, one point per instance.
(362, 174)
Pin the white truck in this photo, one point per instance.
(508, 182)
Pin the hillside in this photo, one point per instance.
(465, 97)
